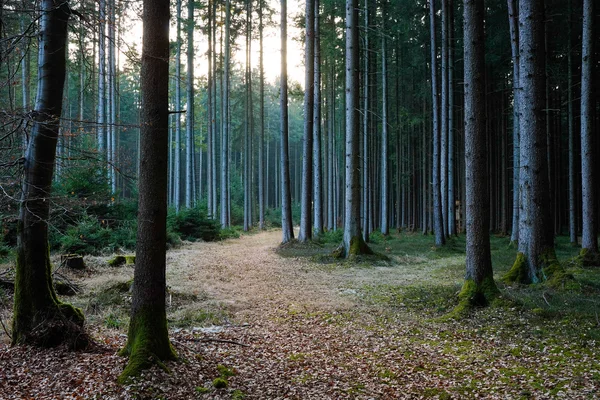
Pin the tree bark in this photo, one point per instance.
(589, 240)
(317, 158)
(39, 318)
(189, 115)
(479, 287)
(225, 121)
(286, 201)
(536, 260)
(148, 338)
(438, 221)
(570, 117)
(385, 228)
(307, 148)
(513, 20)
(353, 241)
(261, 144)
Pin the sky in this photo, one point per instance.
(272, 44)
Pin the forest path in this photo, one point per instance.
(251, 279)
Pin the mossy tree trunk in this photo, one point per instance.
(39, 317)
(353, 240)
(536, 260)
(479, 287)
(148, 339)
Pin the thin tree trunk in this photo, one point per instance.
(589, 240)
(444, 117)
(307, 148)
(101, 111)
(317, 161)
(286, 201)
(225, 122)
(189, 132)
(438, 222)
(353, 241)
(572, 176)
(513, 20)
(451, 195)
(178, 190)
(385, 229)
(261, 144)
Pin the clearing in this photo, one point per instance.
(293, 323)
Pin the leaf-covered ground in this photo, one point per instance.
(294, 323)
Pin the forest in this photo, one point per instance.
(328, 199)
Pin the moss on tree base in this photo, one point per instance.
(587, 258)
(473, 295)
(357, 247)
(550, 271)
(147, 344)
(519, 271)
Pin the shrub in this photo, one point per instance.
(192, 224)
(88, 236)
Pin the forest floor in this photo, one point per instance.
(292, 322)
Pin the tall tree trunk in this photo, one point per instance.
(101, 110)
(213, 147)
(366, 188)
(513, 20)
(225, 121)
(307, 149)
(353, 241)
(536, 259)
(572, 176)
(286, 200)
(438, 222)
(444, 117)
(385, 229)
(479, 287)
(317, 158)
(178, 190)
(148, 337)
(451, 195)
(39, 317)
(189, 131)
(209, 113)
(589, 240)
(248, 123)
(261, 143)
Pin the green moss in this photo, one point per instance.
(117, 261)
(130, 259)
(147, 343)
(587, 258)
(519, 273)
(202, 389)
(224, 371)
(237, 395)
(473, 295)
(357, 247)
(220, 383)
(552, 271)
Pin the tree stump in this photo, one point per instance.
(73, 261)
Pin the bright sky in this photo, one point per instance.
(272, 45)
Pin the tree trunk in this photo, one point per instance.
(385, 228)
(317, 161)
(353, 241)
(589, 240)
(307, 149)
(286, 201)
(189, 115)
(572, 176)
(536, 260)
(444, 117)
(366, 188)
(178, 190)
(225, 121)
(513, 20)
(101, 110)
(479, 287)
(438, 222)
(451, 195)
(39, 317)
(261, 143)
(148, 337)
